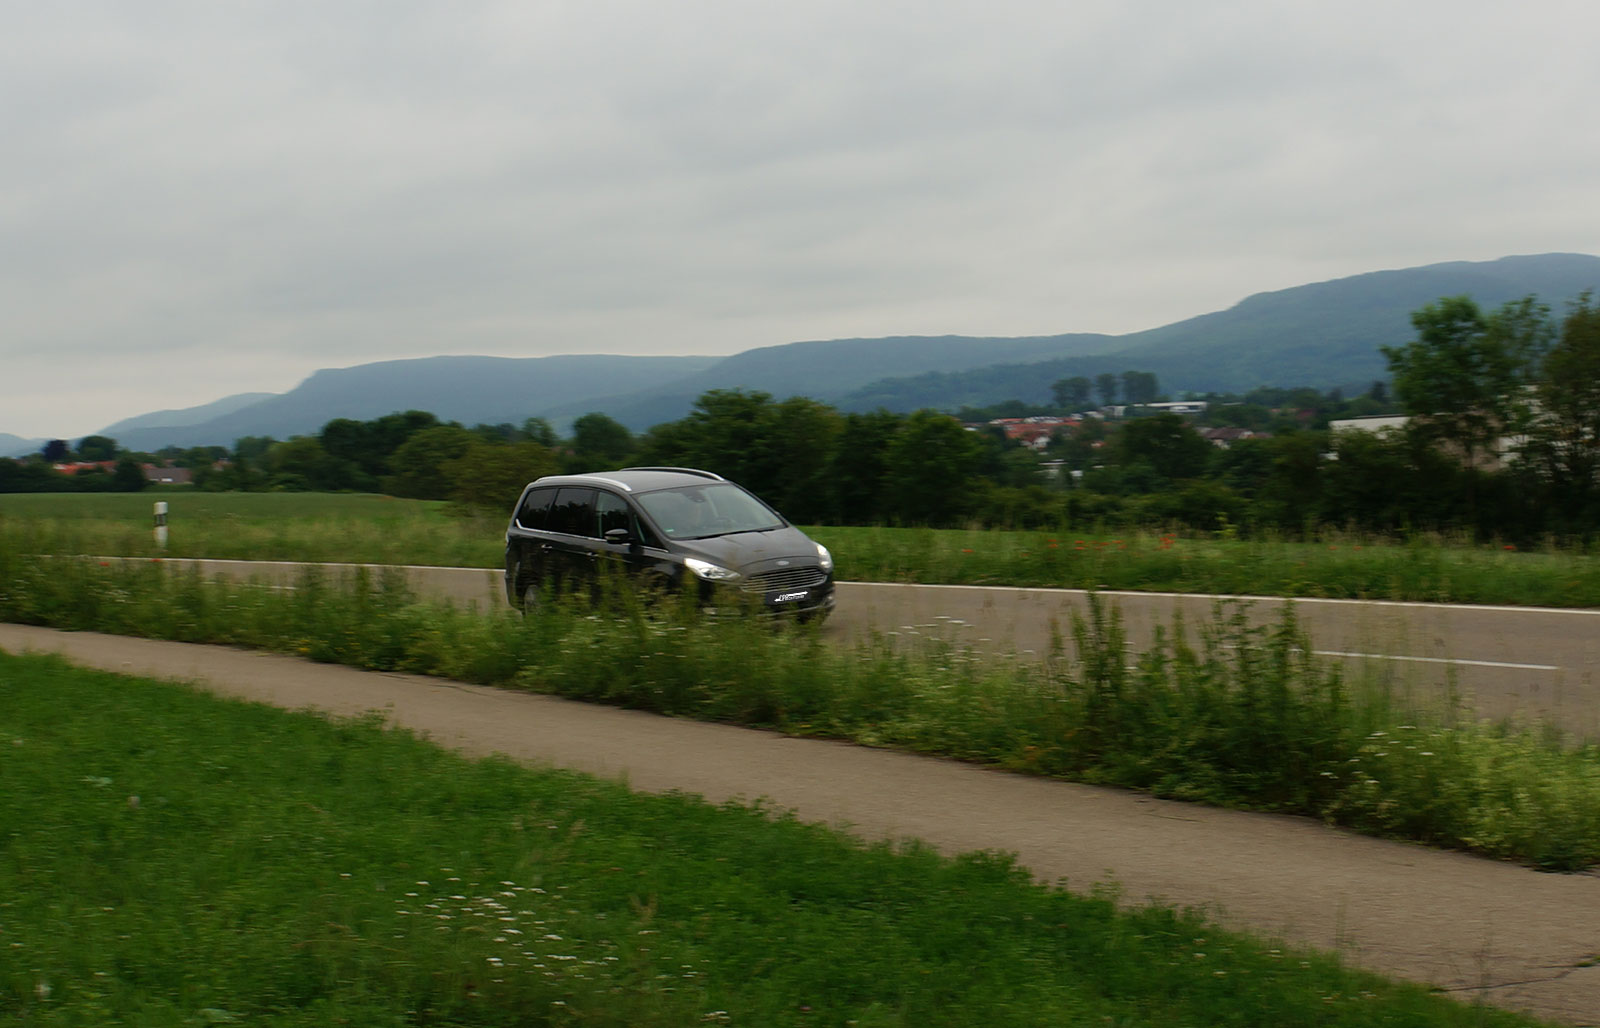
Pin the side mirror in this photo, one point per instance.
(619, 536)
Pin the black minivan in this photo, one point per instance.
(664, 527)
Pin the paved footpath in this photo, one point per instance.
(1515, 937)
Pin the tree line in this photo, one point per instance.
(1503, 440)
(105, 467)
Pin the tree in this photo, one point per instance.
(500, 432)
(419, 462)
(1139, 387)
(668, 444)
(195, 457)
(352, 443)
(97, 447)
(253, 447)
(1072, 394)
(599, 441)
(801, 438)
(1106, 385)
(858, 466)
(1080, 447)
(1379, 483)
(1167, 442)
(1291, 495)
(391, 431)
(1564, 440)
(930, 467)
(302, 463)
(489, 477)
(728, 431)
(129, 476)
(538, 430)
(1252, 416)
(1460, 379)
(55, 451)
(31, 476)
(237, 475)
(1243, 467)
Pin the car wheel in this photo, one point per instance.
(531, 601)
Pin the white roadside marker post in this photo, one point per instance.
(161, 524)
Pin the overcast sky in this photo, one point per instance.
(207, 198)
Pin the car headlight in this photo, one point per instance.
(709, 571)
(824, 557)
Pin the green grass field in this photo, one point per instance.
(384, 530)
(354, 527)
(172, 858)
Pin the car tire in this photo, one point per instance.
(529, 600)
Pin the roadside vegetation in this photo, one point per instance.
(1219, 712)
(363, 528)
(170, 857)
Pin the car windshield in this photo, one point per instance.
(699, 511)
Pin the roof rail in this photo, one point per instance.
(684, 471)
(625, 487)
(557, 480)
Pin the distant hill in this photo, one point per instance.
(185, 416)
(1328, 333)
(1320, 335)
(466, 389)
(16, 446)
(826, 370)
(156, 423)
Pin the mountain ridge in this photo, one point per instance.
(1322, 335)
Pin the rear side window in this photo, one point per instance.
(535, 508)
(572, 513)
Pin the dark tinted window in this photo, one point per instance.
(573, 511)
(614, 513)
(535, 506)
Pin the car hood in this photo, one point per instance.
(745, 548)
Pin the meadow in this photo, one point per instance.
(174, 858)
(384, 530)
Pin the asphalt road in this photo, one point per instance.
(1479, 929)
(1537, 664)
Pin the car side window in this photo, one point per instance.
(613, 512)
(572, 513)
(535, 508)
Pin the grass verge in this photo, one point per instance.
(1428, 569)
(385, 530)
(170, 857)
(1224, 713)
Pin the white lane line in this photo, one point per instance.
(1247, 598)
(1441, 660)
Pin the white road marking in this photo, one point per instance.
(1441, 660)
(1243, 597)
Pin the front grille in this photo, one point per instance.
(784, 580)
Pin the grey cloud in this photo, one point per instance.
(278, 187)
